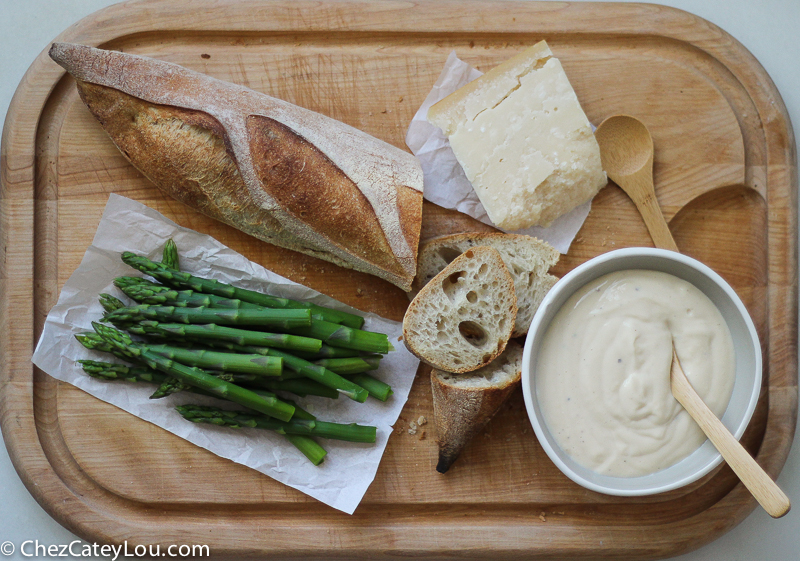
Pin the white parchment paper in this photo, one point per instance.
(349, 468)
(444, 180)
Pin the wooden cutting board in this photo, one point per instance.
(725, 174)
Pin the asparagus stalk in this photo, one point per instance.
(308, 447)
(183, 280)
(194, 376)
(298, 386)
(308, 369)
(335, 334)
(376, 388)
(110, 371)
(270, 318)
(326, 351)
(256, 364)
(215, 332)
(148, 292)
(353, 365)
(346, 337)
(240, 419)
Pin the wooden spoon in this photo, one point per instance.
(626, 151)
(764, 489)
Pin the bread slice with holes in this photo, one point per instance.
(528, 260)
(464, 403)
(463, 318)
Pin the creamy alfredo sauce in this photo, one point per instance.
(602, 374)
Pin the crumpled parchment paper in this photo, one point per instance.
(445, 182)
(349, 468)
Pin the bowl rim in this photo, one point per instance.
(536, 329)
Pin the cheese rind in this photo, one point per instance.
(523, 140)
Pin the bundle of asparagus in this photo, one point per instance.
(189, 343)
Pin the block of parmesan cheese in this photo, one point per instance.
(523, 140)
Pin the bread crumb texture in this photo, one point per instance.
(528, 261)
(464, 317)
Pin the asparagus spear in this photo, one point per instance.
(335, 334)
(308, 369)
(110, 371)
(148, 292)
(355, 369)
(194, 376)
(95, 342)
(242, 419)
(376, 388)
(110, 303)
(271, 318)
(296, 383)
(257, 364)
(114, 371)
(342, 336)
(305, 444)
(215, 332)
(170, 386)
(183, 280)
(298, 386)
(326, 351)
(353, 365)
(308, 446)
(169, 256)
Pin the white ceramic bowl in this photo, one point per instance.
(746, 387)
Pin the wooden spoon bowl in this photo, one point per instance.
(626, 151)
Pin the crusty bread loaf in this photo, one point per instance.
(464, 403)
(528, 260)
(281, 173)
(463, 318)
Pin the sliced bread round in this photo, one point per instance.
(464, 403)
(528, 260)
(463, 318)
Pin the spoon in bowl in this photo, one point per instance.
(626, 152)
(762, 487)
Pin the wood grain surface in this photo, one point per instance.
(725, 176)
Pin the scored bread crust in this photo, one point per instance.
(463, 318)
(528, 259)
(279, 172)
(464, 403)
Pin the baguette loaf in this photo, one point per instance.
(528, 260)
(462, 319)
(464, 403)
(281, 173)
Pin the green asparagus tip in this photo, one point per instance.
(110, 303)
(170, 255)
(124, 282)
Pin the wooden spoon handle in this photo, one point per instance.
(762, 487)
(641, 191)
